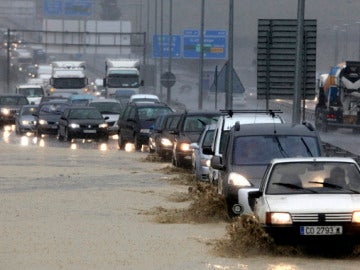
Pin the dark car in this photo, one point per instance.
(10, 106)
(48, 115)
(160, 140)
(25, 119)
(82, 123)
(249, 150)
(188, 130)
(136, 120)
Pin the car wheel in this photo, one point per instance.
(67, 137)
(59, 136)
(17, 130)
(137, 142)
(121, 142)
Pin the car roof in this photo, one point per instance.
(274, 128)
(313, 159)
(195, 113)
(149, 104)
(99, 100)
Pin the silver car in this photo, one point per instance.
(25, 119)
(201, 160)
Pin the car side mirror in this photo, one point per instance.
(252, 197)
(216, 163)
(194, 146)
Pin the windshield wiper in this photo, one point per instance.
(334, 186)
(282, 151)
(307, 147)
(293, 186)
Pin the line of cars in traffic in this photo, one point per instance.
(268, 169)
(68, 117)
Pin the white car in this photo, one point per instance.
(144, 98)
(302, 199)
(227, 121)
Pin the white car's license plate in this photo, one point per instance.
(321, 230)
(89, 131)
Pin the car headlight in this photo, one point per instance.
(42, 122)
(5, 111)
(185, 147)
(74, 125)
(356, 217)
(25, 122)
(166, 142)
(103, 125)
(275, 218)
(239, 180)
(205, 162)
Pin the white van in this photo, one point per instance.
(33, 92)
(228, 120)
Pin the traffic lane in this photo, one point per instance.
(86, 210)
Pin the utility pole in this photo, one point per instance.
(229, 68)
(168, 96)
(298, 63)
(201, 58)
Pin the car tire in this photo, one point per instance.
(137, 142)
(67, 138)
(59, 136)
(121, 142)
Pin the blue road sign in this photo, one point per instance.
(70, 8)
(165, 41)
(79, 8)
(214, 44)
(53, 7)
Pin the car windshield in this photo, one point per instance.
(197, 123)
(52, 108)
(314, 177)
(13, 101)
(150, 113)
(31, 92)
(260, 150)
(28, 110)
(85, 114)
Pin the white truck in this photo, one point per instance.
(122, 75)
(68, 77)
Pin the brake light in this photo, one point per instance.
(330, 116)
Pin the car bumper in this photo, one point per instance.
(48, 129)
(88, 134)
(292, 233)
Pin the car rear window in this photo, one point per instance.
(255, 150)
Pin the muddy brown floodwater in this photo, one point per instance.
(90, 209)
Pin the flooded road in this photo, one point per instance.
(94, 207)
